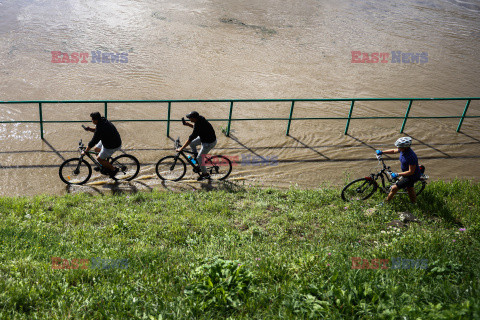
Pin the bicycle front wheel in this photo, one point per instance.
(171, 168)
(360, 189)
(128, 167)
(218, 167)
(75, 171)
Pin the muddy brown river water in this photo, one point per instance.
(240, 50)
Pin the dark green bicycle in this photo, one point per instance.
(364, 188)
(78, 170)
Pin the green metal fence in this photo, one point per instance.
(230, 118)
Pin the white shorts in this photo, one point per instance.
(105, 153)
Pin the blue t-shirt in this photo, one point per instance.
(408, 158)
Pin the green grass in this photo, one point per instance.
(245, 254)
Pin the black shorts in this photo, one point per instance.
(406, 182)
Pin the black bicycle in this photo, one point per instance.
(78, 170)
(173, 168)
(363, 188)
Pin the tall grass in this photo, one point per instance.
(245, 254)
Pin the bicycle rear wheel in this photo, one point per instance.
(360, 189)
(218, 167)
(128, 165)
(419, 186)
(171, 168)
(75, 171)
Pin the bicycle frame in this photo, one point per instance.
(384, 174)
(196, 167)
(89, 154)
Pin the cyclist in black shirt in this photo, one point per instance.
(106, 140)
(204, 135)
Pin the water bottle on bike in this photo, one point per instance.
(192, 160)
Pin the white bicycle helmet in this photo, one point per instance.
(403, 142)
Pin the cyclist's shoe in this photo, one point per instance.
(97, 169)
(113, 173)
(203, 177)
(196, 170)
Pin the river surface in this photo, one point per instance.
(253, 49)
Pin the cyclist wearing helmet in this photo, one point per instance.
(409, 165)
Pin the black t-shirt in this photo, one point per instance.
(203, 129)
(106, 132)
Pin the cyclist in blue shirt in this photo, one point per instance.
(410, 169)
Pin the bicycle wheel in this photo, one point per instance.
(359, 189)
(75, 171)
(171, 168)
(128, 165)
(419, 186)
(219, 167)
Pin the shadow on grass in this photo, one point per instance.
(222, 185)
(132, 187)
(433, 204)
(113, 188)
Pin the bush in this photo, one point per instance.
(220, 284)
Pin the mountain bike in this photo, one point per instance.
(363, 188)
(173, 168)
(78, 170)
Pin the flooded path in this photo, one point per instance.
(240, 50)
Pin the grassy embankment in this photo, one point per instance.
(243, 253)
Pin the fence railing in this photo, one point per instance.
(230, 118)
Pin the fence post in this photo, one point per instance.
(168, 118)
(229, 119)
(349, 117)
(40, 113)
(106, 110)
(463, 115)
(406, 116)
(290, 117)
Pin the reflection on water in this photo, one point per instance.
(230, 49)
(472, 5)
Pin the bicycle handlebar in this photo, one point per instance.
(380, 159)
(81, 145)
